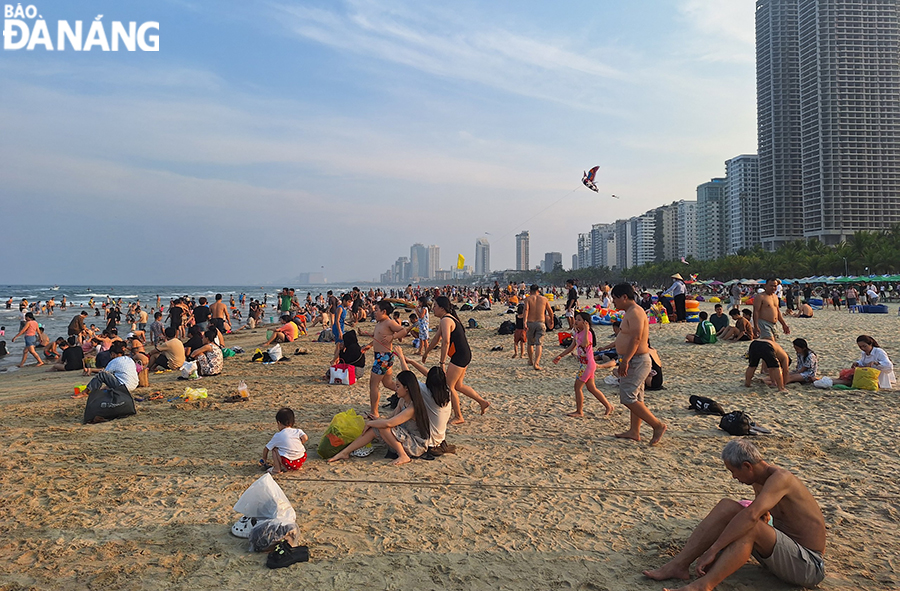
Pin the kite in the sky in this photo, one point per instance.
(684, 260)
(588, 179)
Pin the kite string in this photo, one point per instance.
(538, 213)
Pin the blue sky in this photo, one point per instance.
(268, 139)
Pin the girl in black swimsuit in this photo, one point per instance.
(452, 337)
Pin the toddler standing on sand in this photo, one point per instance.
(583, 345)
(288, 452)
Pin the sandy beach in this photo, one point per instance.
(532, 500)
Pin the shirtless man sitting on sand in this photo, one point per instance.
(767, 311)
(538, 314)
(790, 545)
(633, 348)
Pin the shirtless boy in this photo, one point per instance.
(791, 548)
(386, 330)
(633, 348)
(538, 314)
(766, 312)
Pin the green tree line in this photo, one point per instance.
(865, 253)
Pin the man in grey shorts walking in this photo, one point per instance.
(633, 348)
(783, 528)
(537, 315)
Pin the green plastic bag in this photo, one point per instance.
(345, 427)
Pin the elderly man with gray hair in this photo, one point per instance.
(783, 528)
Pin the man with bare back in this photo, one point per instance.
(386, 330)
(783, 528)
(538, 314)
(767, 311)
(219, 316)
(633, 348)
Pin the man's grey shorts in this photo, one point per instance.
(534, 333)
(631, 387)
(792, 563)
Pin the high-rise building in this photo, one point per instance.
(778, 122)
(575, 266)
(401, 270)
(583, 252)
(643, 238)
(482, 256)
(624, 246)
(711, 219)
(522, 251)
(418, 261)
(828, 108)
(434, 261)
(742, 202)
(550, 261)
(603, 245)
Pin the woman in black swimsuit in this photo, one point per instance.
(454, 344)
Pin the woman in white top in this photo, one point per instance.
(874, 356)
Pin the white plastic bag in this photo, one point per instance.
(275, 352)
(264, 499)
(189, 370)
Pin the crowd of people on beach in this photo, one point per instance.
(186, 330)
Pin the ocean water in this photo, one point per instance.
(78, 296)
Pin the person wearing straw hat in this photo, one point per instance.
(677, 291)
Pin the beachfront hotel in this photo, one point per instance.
(828, 110)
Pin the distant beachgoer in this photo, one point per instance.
(767, 311)
(286, 333)
(168, 354)
(219, 316)
(719, 319)
(120, 371)
(538, 317)
(783, 528)
(519, 334)
(30, 331)
(210, 361)
(583, 346)
(678, 290)
(706, 332)
(741, 331)
(72, 358)
(571, 302)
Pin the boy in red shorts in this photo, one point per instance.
(288, 452)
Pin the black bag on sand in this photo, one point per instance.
(105, 405)
(737, 423)
(706, 406)
(507, 327)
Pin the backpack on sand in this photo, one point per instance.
(706, 406)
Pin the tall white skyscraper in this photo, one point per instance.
(482, 256)
(522, 251)
(742, 202)
(434, 261)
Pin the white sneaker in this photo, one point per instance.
(825, 382)
(611, 381)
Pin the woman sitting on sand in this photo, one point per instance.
(807, 365)
(402, 431)
(872, 356)
(436, 395)
(210, 361)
